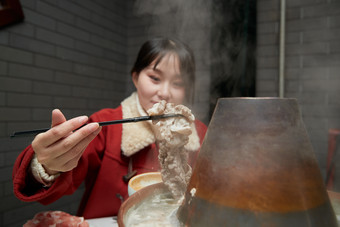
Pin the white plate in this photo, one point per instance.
(103, 222)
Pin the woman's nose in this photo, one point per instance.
(164, 92)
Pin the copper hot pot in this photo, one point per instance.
(257, 168)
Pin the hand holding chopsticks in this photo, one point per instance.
(104, 123)
(60, 147)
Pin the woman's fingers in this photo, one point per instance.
(60, 148)
(74, 142)
(69, 148)
(57, 117)
(70, 158)
(58, 132)
(71, 163)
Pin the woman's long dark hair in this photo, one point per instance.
(155, 49)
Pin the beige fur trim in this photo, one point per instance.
(136, 136)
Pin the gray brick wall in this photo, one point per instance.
(312, 63)
(68, 55)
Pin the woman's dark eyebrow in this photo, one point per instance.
(156, 70)
(161, 72)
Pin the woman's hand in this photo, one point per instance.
(59, 149)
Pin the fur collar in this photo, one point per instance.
(136, 136)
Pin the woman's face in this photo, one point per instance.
(161, 83)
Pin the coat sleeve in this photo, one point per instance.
(26, 188)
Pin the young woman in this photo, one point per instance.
(59, 160)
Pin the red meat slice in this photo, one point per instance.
(57, 219)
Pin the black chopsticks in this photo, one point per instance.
(104, 123)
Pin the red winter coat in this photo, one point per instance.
(102, 166)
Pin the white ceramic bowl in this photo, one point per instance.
(142, 180)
